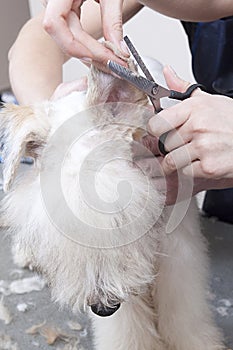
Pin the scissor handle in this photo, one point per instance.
(176, 95)
(161, 143)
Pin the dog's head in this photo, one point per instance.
(100, 270)
(24, 130)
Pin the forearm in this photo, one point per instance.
(35, 63)
(192, 10)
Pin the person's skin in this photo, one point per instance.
(200, 140)
(62, 21)
(35, 64)
(192, 10)
(44, 63)
(166, 175)
(35, 60)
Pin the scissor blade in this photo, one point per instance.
(138, 58)
(150, 88)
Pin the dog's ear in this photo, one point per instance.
(104, 88)
(23, 132)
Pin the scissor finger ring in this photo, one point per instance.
(161, 144)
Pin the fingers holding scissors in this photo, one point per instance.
(197, 134)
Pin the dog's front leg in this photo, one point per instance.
(132, 327)
(184, 318)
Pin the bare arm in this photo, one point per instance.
(35, 63)
(192, 10)
(35, 60)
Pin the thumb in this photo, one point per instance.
(174, 82)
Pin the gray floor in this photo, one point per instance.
(40, 307)
(220, 238)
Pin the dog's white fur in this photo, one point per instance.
(161, 279)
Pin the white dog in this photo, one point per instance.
(95, 226)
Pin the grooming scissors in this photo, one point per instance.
(148, 85)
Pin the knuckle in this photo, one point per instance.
(198, 125)
(48, 25)
(117, 25)
(199, 128)
(68, 47)
(208, 168)
(169, 162)
(114, 27)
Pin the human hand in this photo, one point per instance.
(62, 22)
(204, 127)
(176, 186)
(200, 141)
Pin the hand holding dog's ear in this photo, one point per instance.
(63, 22)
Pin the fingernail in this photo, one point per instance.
(171, 70)
(124, 47)
(86, 60)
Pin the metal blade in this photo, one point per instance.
(138, 58)
(150, 88)
(155, 101)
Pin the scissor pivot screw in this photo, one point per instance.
(154, 90)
